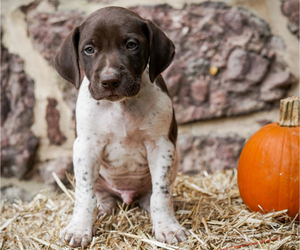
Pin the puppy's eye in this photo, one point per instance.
(131, 45)
(89, 50)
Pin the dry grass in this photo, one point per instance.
(208, 205)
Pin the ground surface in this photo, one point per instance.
(208, 205)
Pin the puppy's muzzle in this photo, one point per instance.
(110, 81)
(114, 86)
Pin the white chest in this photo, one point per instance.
(118, 131)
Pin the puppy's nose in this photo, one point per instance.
(110, 81)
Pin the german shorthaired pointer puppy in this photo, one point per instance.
(126, 128)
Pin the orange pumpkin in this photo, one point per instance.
(268, 168)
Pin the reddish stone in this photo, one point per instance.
(209, 153)
(237, 65)
(209, 35)
(199, 91)
(55, 136)
(234, 19)
(290, 8)
(18, 144)
(60, 166)
(48, 31)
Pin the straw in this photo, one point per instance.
(208, 205)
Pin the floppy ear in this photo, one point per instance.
(162, 50)
(66, 59)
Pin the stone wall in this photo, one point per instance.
(226, 63)
(232, 66)
(19, 145)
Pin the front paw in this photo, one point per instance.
(77, 234)
(170, 232)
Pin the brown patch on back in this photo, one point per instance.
(173, 130)
(160, 82)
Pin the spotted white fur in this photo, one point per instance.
(123, 150)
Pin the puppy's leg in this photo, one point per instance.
(105, 201)
(144, 201)
(86, 170)
(163, 163)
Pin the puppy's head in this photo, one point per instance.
(113, 47)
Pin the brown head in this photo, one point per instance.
(113, 47)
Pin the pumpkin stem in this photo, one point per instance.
(289, 112)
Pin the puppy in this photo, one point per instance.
(126, 128)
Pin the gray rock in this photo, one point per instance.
(11, 193)
(290, 8)
(60, 166)
(209, 153)
(199, 91)
(234, 19)
(18, 144)
(258, 69)
(271, 89)
(238, 65)
(235, 41)
(48, 31)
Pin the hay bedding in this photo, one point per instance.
(208, 205)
